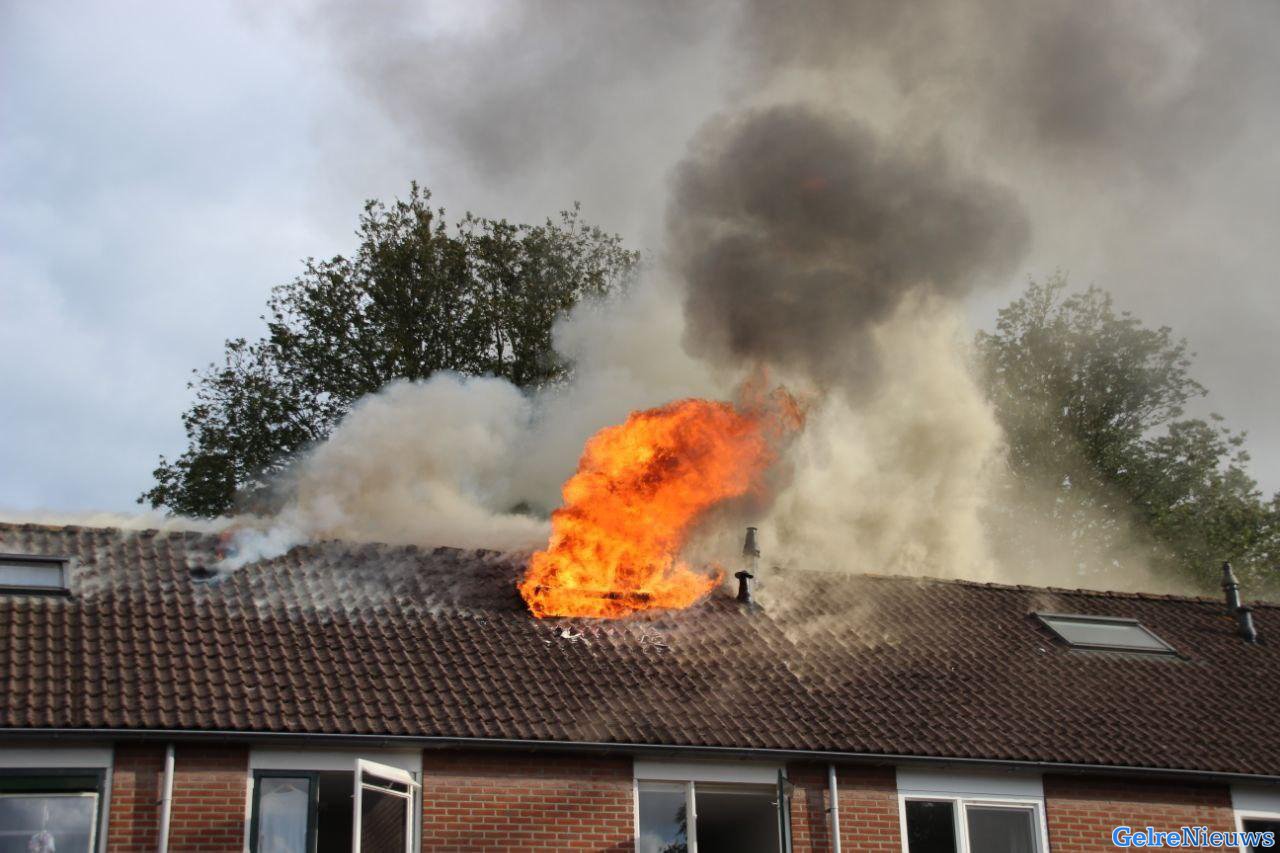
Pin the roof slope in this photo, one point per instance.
(350, 639)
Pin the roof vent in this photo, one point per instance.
(752, 554)
(1231, 587)
(1243, 614)
(1247, 630)
(34, 574)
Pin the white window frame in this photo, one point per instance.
(89, 758)
(389, 774)
(401, 765)
(964, 790)
(689, 773)
(1250, 802)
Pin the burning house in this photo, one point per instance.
(366, 697)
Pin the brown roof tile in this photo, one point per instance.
(342, 639)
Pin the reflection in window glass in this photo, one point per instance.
(283, 814)
(931, 827)
(47, 822)
(664, 821)
(382, 822)
(1260, 825)
(1001, 830)
(738, 819)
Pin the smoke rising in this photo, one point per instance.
(798, 232)
(832, 187)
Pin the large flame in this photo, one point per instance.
(640, 488)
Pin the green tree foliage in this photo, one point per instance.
(1092, 403)
(418, 295)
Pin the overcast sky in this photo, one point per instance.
(163, 165)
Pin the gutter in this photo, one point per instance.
(639, 749)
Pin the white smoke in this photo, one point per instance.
(475, 462)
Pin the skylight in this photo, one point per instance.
(1104, 632)
(31, 573)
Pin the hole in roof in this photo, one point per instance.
(1104, 632)
(33, 574)
(202, 573)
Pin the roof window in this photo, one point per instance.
(1104, 632)
(31, 573)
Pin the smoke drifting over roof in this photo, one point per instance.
(797, 231)
(837, 179)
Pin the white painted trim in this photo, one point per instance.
(995, 784)
(55, 757)
(407, 760)
(962, 790)
(731, 772)
(61, 757)
(1254, 802)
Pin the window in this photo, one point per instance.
(327, 810)
(1257, 810)
(1104, 632)
(971, 813)
(1261, 824)
(725, 809)
(33, 574)
(49, 812)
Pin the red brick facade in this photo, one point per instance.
(208, 799)
(541, 802)
(1081, 811)
(133, 823)
(868, 809)
(536, 802)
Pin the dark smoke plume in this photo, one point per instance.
(795, 231)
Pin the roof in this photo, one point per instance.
(334, 638)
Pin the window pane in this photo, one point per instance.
(34, 573)
(1124, 635)
(664, 824)
(382, 822)
(931, 827)
(283, 813)
(1001, 830)
(47, 822)
(1255, 825)
(739, 819)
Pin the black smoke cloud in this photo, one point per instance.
(796, 230)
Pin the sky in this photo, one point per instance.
(162, 166)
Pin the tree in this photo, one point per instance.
(479, 297)
(1092, 403)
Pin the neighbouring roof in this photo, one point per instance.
(367, 639)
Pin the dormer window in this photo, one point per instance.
(32, 574)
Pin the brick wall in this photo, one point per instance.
(535, 802)
(134, 818)
(208, 798)
(868, 809)
(1081, 811)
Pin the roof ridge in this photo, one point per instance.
(928, 579)
(1056, 590)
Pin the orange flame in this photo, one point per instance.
(640, 488)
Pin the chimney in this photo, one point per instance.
(1231, 587)
(752, 554)
(1247, 630)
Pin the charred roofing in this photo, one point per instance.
(370, 640)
